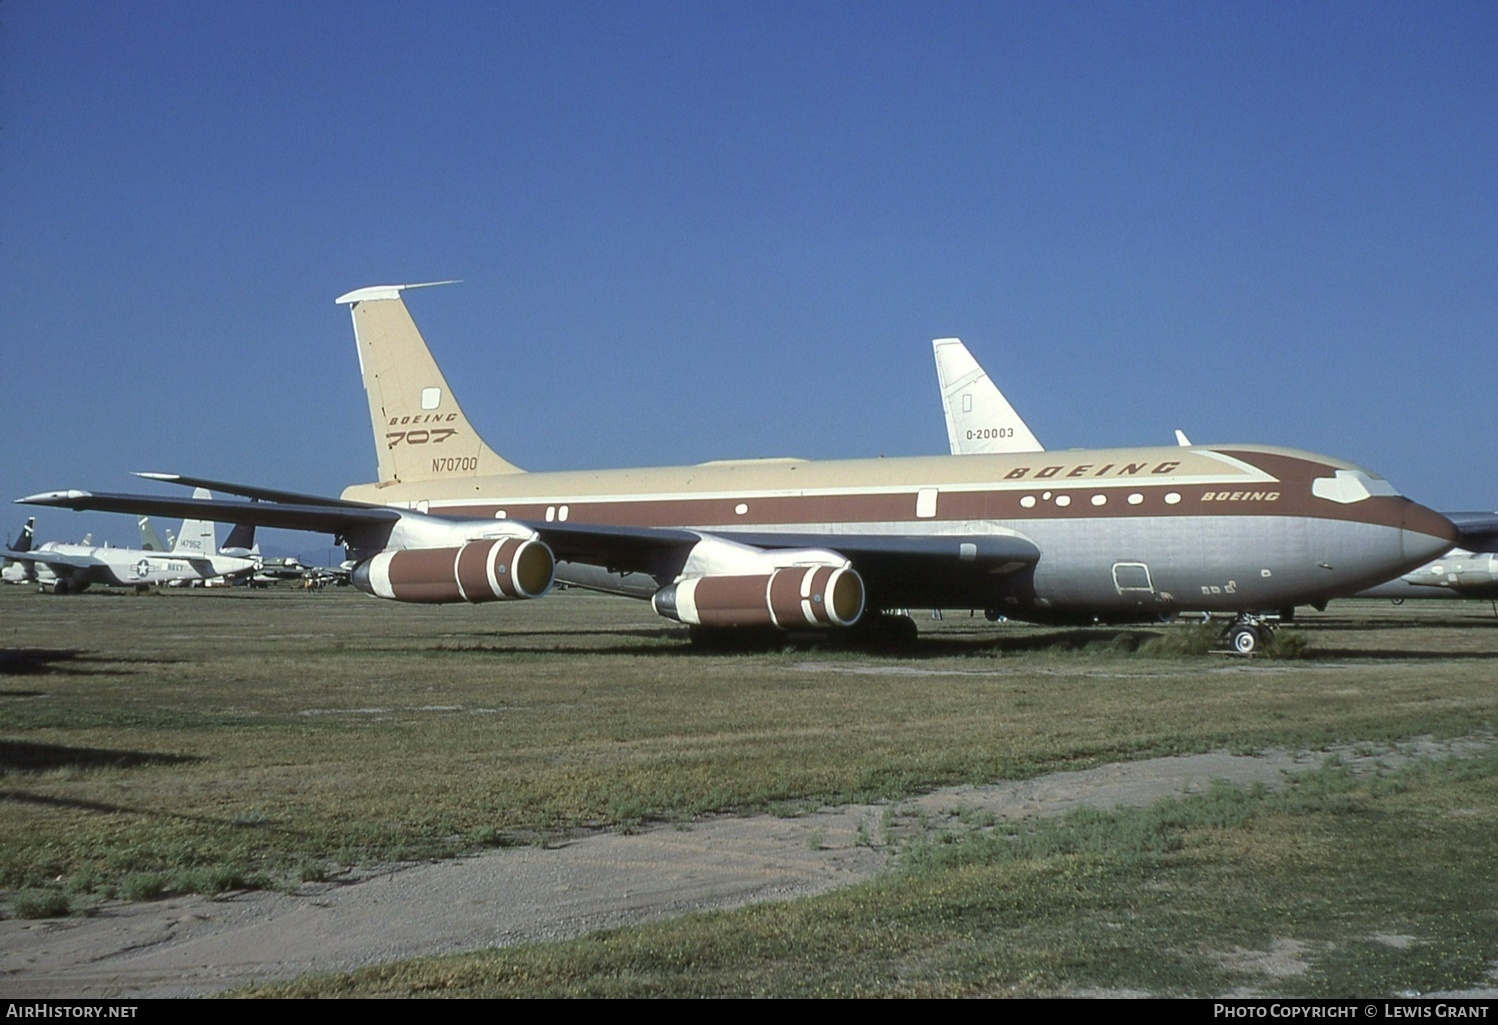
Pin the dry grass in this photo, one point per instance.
(247, 735)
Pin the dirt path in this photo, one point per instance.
(195, 945)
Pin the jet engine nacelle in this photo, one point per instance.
(794, 598)
(490, 570)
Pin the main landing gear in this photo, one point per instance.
(1250, 634)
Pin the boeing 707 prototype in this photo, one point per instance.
(1108, 535)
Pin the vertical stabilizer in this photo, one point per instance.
(241, 539)
(197, 536)
(979, 418)
(28, 535)
(150, 541)
(419, 430)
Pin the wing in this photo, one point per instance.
(638, 548)
(1479, 530)
(898, 569)
(254, 493)
(56, 559)
(629, 549)
(924, 570)
(324, 515)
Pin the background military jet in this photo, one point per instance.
(63, 568)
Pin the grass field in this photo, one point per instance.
(211, 740)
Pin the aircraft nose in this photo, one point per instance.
(1427, 534)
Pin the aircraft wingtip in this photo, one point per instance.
(52, 497)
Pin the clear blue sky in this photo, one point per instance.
(707, 230)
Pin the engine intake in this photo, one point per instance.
(795, 598)
(500, 570)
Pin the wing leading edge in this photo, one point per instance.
(324, 515)
(887, 562)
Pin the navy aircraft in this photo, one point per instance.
(62, 568)
(1080, 536)
(1457, 574)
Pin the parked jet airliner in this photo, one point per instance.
(979, 419)
(1077, 536)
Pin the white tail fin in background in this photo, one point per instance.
(197, 536)
(979, 418)
(420, 432)
(149, 539)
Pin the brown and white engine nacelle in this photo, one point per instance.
(794, 598)
(491, 570)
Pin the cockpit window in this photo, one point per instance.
(1350, 486)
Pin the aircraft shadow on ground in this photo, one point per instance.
(22, 797)
(1353, 626)
(30, 661)
(70, 662)
(46, 801)
(21, 756)
(1316, 654)
(650, 633)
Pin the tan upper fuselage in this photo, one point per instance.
(1164, 481)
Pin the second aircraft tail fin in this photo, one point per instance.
(149, 540)
(27, 538)
(979, 418)
(197, 537)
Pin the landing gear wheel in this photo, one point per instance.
(1245, 639)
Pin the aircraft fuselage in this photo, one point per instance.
(1122, 533)
(126, 567)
